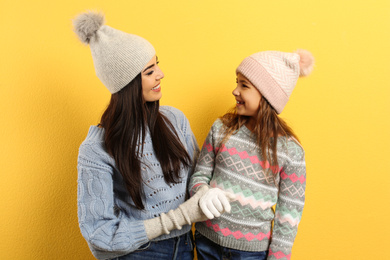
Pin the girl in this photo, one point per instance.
(252, 153)
(134, 166)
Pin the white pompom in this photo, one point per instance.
(306, 62)
(85, 25)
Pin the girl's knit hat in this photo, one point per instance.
(275, 73)
(118, 57)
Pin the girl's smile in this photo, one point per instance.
(239, 102)
(247, 97)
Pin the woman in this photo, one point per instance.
(133, 167)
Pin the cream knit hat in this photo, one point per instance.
(118, 57)
(275, 73)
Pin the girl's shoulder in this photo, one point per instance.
(217, 125)
(291, 147)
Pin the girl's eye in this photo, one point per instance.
(245, 86)
(150, 73)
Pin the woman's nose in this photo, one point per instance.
(160, 74)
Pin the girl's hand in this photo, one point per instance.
(215, 202)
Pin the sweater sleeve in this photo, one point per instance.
(288, 211)
(192, 148)
(205, 166)
(109, 233)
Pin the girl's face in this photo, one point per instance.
(151, 76)
(247, 97)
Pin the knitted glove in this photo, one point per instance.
(186, 214)
(215, 202)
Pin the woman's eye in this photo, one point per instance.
(149, 73)
(245, 86)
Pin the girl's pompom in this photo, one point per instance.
(86, 24)
(306, 62)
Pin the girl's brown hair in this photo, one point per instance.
(268, 127)
(126, 121)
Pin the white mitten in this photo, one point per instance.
(215, 202)
(186, 214)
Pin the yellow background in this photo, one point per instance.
(50, 95)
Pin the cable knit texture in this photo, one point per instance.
(108, 221)
(238, 167)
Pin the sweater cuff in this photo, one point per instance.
(197, 187)
(279, 253)
(137, 231)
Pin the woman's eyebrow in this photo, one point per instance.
(148, 67)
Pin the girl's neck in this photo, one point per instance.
(250, 124)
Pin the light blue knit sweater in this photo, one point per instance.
(107, 219)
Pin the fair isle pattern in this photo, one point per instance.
(238, 167)
(237, 234)
(244, 155)
(245, 197)
(292, 190)
(278, 255)
(243, 168)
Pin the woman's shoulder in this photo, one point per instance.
(95, 135)
(171, 112)
(93, 145)
(176, 117)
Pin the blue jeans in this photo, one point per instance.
(208, 250)
(176, 248)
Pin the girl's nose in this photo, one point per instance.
(235, 92)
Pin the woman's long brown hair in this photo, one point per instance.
(126, 121)
(268, 127)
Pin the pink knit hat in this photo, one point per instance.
(275, 73)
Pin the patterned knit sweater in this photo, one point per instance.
(108, 220)
(238, 167)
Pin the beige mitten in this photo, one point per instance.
(186, 214)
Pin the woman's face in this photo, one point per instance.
(151, 76)
(247, 97)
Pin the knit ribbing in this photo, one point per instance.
(238, 167)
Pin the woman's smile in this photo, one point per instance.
(157, 88)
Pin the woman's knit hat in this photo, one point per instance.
(118, 56)
(275, 73)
